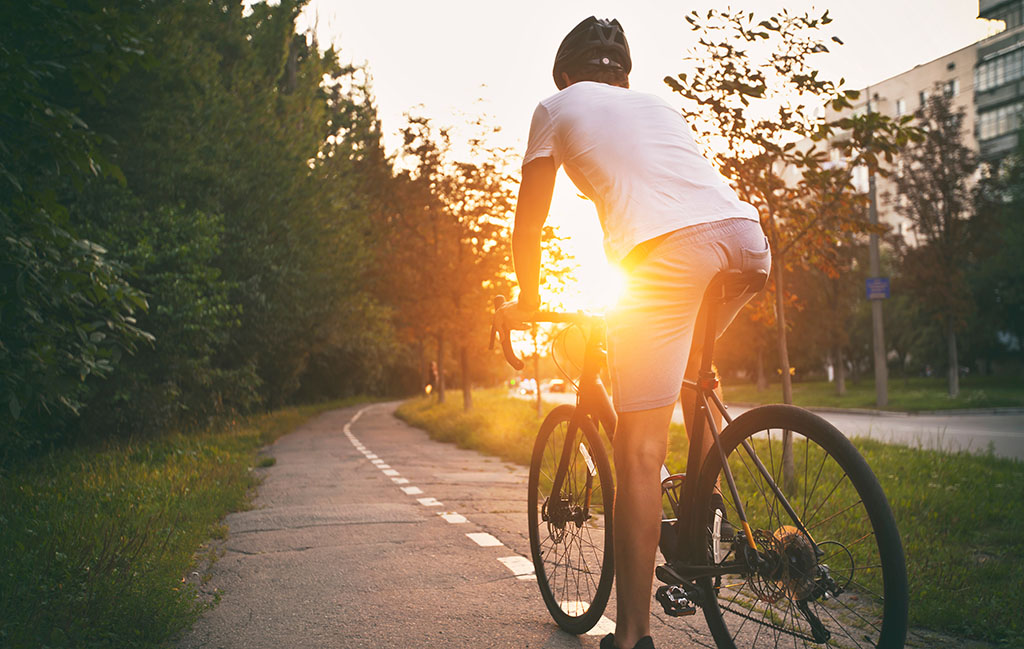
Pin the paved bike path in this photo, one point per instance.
(346, 547)
(336, 554)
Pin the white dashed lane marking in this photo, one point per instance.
(484, 540)
(604, 626)
(519, 566)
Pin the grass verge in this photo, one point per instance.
(910, 395)
(961, 516)
(98, 542)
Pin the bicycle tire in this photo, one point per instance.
(572, 559)
(843, 508)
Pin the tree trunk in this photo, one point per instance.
(762, 381)
(440, 368)
(954, 362)
(467, 384)
(788, 466)
(840, 372)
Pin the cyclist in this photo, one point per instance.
(672, 222)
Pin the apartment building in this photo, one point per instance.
(999, 79)
(953, 75)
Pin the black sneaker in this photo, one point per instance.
(608, 642)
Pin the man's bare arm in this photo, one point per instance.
(531, 213)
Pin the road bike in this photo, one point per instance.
(805, 553)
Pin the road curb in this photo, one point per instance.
(897, 413)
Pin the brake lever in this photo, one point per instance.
(506, 339)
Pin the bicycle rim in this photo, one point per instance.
(852, 592)
(571, 544)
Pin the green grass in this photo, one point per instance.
(498, 425)
(98, 541)
(910, 395)
(961, 516)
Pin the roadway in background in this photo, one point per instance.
(954, 431)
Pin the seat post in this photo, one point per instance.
(712, 298)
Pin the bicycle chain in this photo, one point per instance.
(761, 621)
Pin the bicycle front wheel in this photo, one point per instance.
(571, 531)
(829, 569)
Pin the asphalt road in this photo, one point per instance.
(973, 432)
(365, 533)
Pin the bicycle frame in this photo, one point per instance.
(591, 399)
(722, 288)
(593, 403)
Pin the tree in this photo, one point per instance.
(933, 186)
(996, 274)
(67, 313)
(752, 95)
(446, 245)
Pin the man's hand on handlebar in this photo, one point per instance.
(513, 315)
(507, 316)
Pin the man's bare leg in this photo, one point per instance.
(641, 441)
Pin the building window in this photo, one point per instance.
(998, 71)
(1002, 120)
(923, 98)
(901, 107)
(951, 88)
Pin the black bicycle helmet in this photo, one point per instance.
(593, 42)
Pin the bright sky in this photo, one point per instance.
(440, 57)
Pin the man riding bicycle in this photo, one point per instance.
(671, 222)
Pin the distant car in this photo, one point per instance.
(557, 385)
(527, 386)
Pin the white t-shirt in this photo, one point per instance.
(636, 158)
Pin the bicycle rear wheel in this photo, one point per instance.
(852, 591)
(571, 532)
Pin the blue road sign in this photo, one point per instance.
(877, 288)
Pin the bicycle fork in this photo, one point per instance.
(559, 510)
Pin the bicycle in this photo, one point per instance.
(807, 550)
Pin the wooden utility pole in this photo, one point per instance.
(877, 329)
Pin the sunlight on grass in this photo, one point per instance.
(961, 516)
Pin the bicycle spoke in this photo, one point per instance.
(761, 606)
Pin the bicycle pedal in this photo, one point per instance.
(675, 602)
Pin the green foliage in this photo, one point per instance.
(910, 394)
(444, 242)
(996, 276)
(67, 318)
(228, 165)
(752, 95)
(498, 425)
(66, 312)
(172, 255)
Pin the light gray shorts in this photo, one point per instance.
(651, 328)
